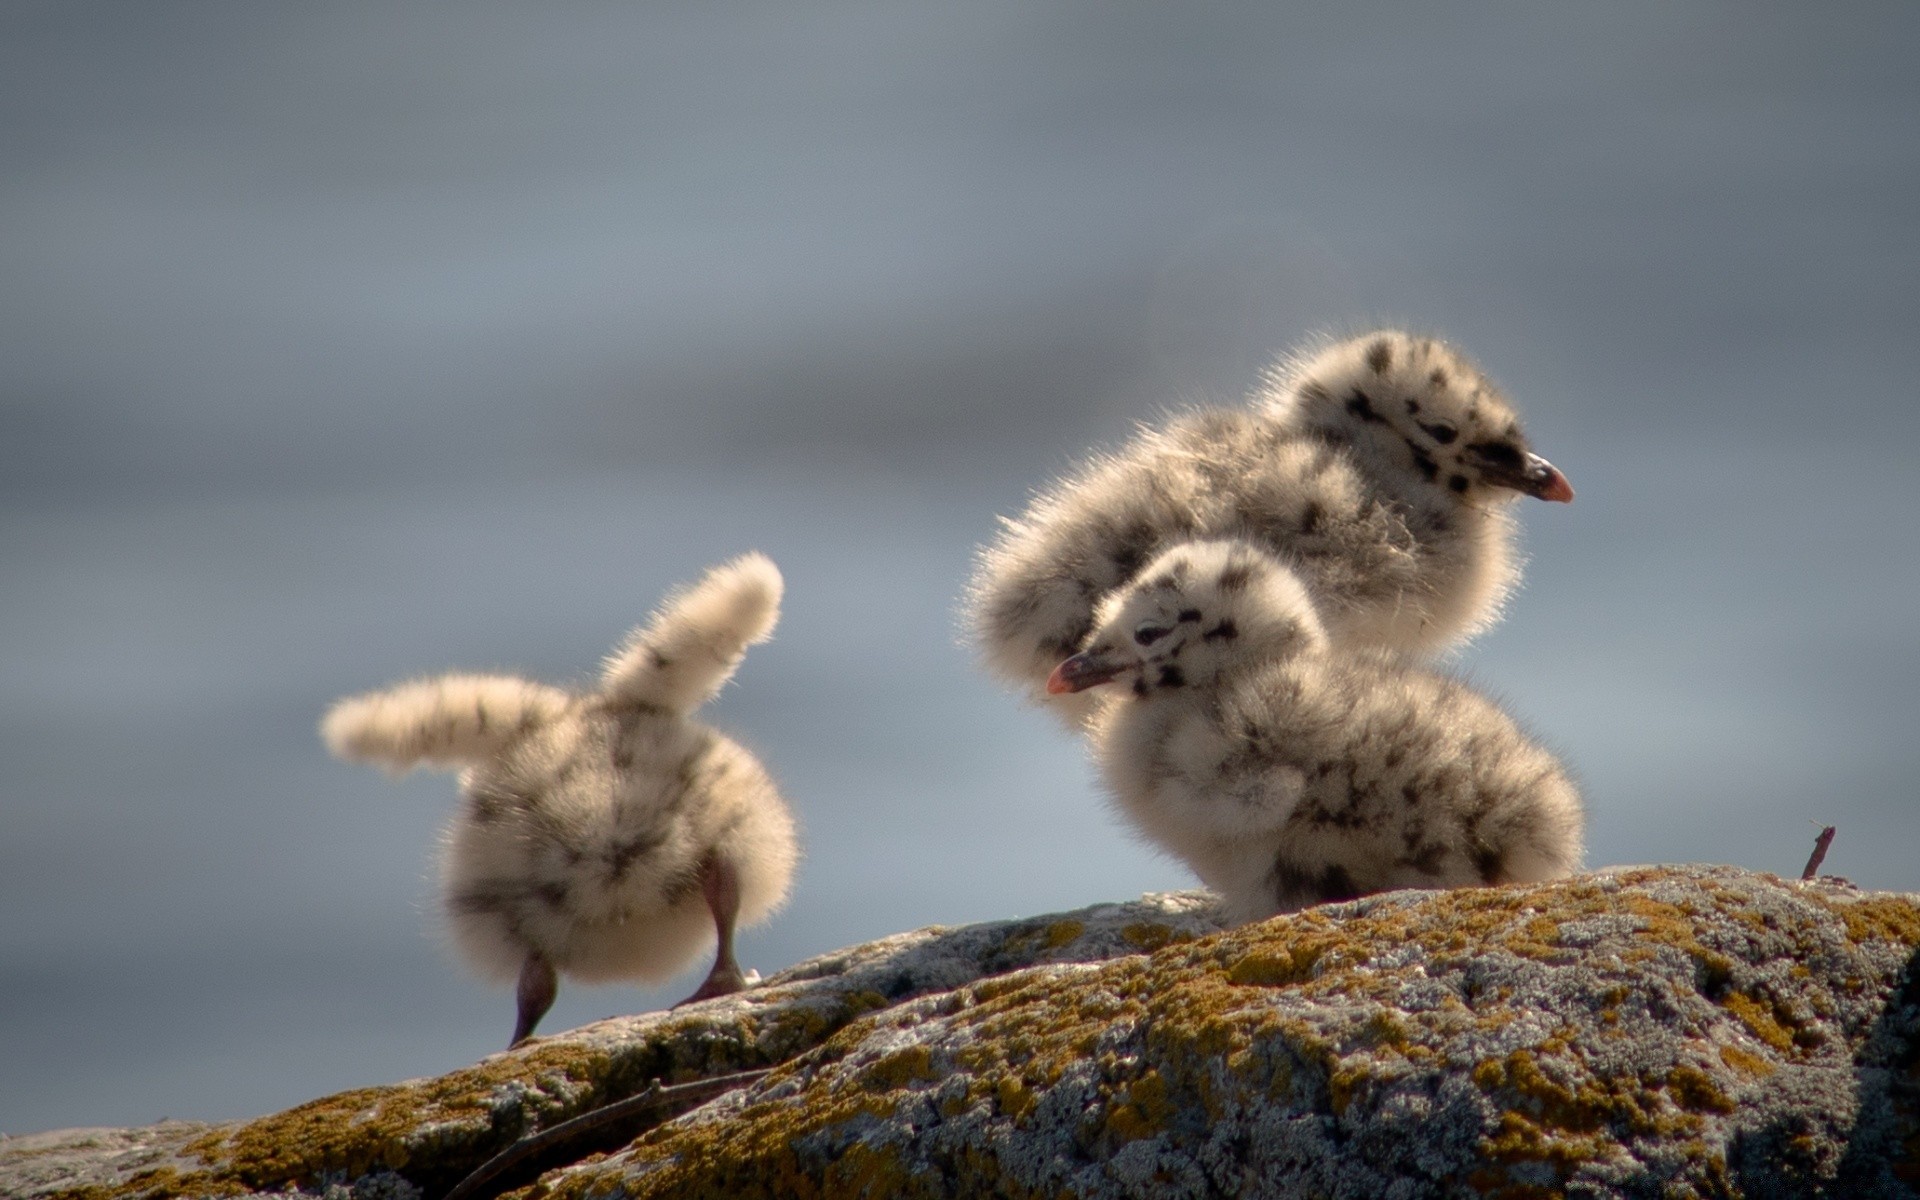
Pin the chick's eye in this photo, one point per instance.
(1150, 633)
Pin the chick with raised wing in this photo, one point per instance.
(603, 835)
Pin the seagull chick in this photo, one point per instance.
(1379, 469)
(1285, 773)
(603, 835)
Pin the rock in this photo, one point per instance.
(1658, 1032)
(427, 1134)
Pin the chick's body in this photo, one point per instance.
(602, 835)
(1349, 777)
(1287, 773)
(585, 838)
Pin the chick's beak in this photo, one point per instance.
(1534, 476)
(1542, 479)
(1083, 671)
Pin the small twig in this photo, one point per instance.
(528, 1158)
(1820, 845)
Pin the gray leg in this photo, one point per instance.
(721, 886)
(538, 986)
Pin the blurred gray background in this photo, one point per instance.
(348, 342)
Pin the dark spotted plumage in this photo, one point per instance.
(596, 824)
(1287, 772)
(1295, 888)
(1365, 466)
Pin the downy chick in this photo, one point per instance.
(603, 835)
(1286, 773)
(1379, 468)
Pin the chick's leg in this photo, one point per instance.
(721, 886)
(538, 986)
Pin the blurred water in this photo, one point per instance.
(350, 343)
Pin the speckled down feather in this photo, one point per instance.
(1379, 468)
(1286, 773)
(587, 816)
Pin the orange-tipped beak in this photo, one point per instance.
(1081, 672)
(1543, 480)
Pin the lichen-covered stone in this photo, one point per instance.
(1659, 1032)
(1656, 1032)
(426, 1134)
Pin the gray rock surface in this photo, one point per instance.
(1657, 1032)
(425, 1135)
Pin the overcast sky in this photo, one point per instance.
(349, 342)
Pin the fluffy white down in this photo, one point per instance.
(550, 876)
(696, 639)
(446, 722)
(1286, 772)
(1356, 465)
(586, 817)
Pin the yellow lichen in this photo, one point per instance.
(1517, 1139)
(1149, 936)
(1016, 1100)
(1143, 1109)
(900, 1068)
(1694, 1089)
(1343, 1085)
(1387, 1029)
(1760, 1020)
(1274, 966)
(1745, 1063)
(355, 1132)
(867, 1172)
(1880, 919)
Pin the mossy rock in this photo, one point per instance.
(1657, 1032)
(424, 1135)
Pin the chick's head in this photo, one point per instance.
(1192, 613)
(1417, 406)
